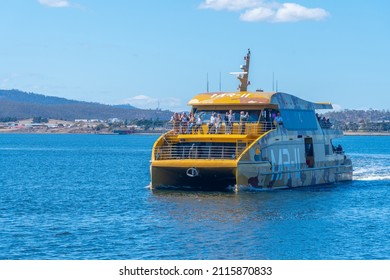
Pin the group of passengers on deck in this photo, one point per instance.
(221, 123)
(324, 122)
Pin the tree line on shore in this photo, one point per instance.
(360, 120)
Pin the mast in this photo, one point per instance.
(207, 81)
(243, 77)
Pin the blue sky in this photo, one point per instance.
(159, 53)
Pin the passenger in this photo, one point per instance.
(267, 120)
(339, 149)
(175, 120)
(218, 123)
(198, 124)
(211, 124)
(278, 120)
(323, 122)
(243, 119)
(273, 116)
(184, 122)
(191, 122)
(328, 124)
(226, 121)
(230, 122)
(172, 118)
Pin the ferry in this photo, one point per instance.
(241, 139)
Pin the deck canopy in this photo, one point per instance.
(280, 99)
(288, 101)
(231, 98)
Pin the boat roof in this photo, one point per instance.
(231, 99)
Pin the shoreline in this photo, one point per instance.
(364, 133)
(70, 131)
(104, 132)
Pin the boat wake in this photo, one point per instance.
(370, 174)
(371, 167)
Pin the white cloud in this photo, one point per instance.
(55, 3)
(231, 5)
(147, 102)
(294, 12)
(257, 10)
(258, 14)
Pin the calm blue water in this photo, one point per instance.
(85, 197)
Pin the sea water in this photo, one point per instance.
(86, 197)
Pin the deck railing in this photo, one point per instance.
(243, 128)
(197, 152)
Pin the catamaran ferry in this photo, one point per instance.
(241, 139)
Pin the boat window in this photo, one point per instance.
(327, 150)
(299, 119)
(253, 115)
(268, 114)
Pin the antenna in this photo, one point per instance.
(220, 82)
(276, 85)
(273, 81)
(245, 72)
(207, 81)
(243, 75)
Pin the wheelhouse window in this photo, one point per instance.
(299, 119)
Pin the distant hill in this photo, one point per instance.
(23, 105)
(125, 106)
(33, 98)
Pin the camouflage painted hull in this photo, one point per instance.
(280, 160)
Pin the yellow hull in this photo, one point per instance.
(193, 174)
